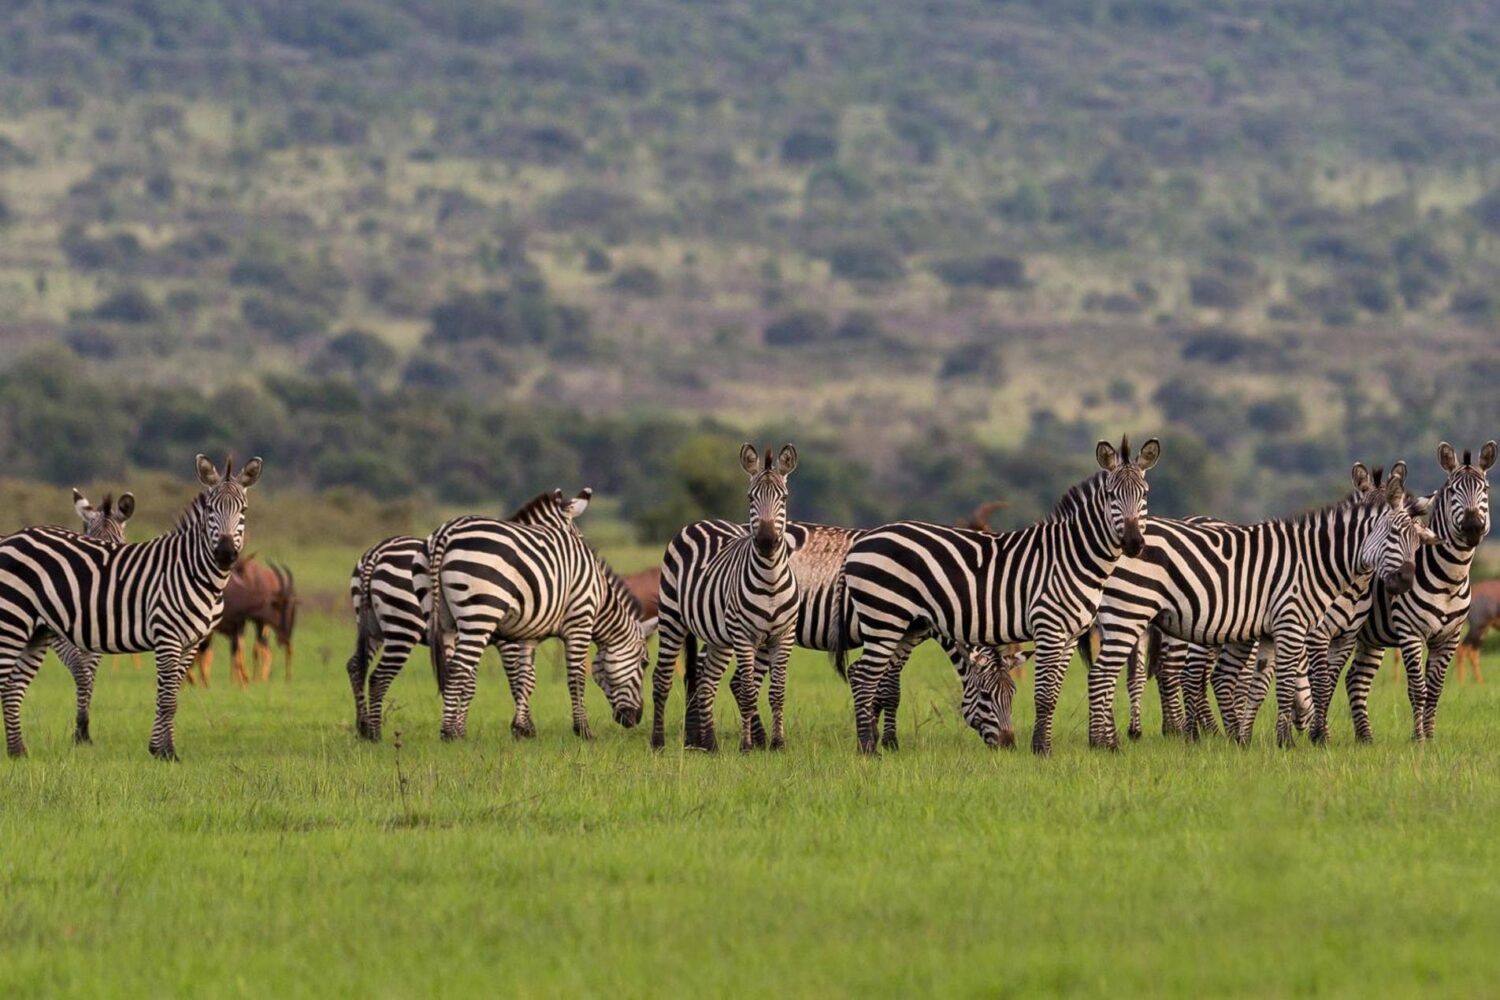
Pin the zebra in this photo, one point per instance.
(1215, 583)
(1427, 615)
(479, 579)
(164, 595)
(390, 622)
(817, 561)
(737, 596)
(1041, 583)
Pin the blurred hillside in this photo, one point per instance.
(457, 250)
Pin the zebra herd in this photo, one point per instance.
(1238, 609)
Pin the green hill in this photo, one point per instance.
(459, 248)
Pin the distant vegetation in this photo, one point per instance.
(451, 249)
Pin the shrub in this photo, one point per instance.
(994, 271)
(1282, 415)
(1209, 290)
(283, 319)
(597, 261)
(130, 304)
(805, 145)
(638, 280)
(803, 326)
(119, 251)
(859, 261)
(1474, 305)
(860, 324)
(93, 342)
(356, 352)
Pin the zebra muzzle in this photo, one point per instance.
(224, 552)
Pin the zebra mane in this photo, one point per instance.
(534, 505)
(617, 585)
(1078, 496)
(191, 514)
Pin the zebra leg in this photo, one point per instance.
(519, 660)
(84, 667)
(1050, 665)
(1257, 677)
(1290, 661)
(171, 666)
(1235, 688)
(669, 645)
(888, 701)
(1135, 686)
(576, 648)
(738, 680)
(865, 677)
(1357, 682)
(1195, 692)
(1325, 662)
(458, 692)
(392, 658)
(745, 684)
(1439, 654)
(365, 650)
(714, 662)
(1416, 685)
(1169, 665)
(781, 655)
(13, 692)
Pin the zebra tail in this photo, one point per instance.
(435, 644)
(367, 626)
(1086, 647)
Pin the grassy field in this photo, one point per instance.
(283, 857)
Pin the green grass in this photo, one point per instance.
(281, 857)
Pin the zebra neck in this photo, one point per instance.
(772, 567)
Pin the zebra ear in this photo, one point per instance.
(250, 474)
(207, 474)
(1425, 535)
(1360, 473)
(1398, 471)
(1150, 452)
(578, 504)
(750, 459)
(1395, 491)
(81, 504)
(1106, 456)
(787, 460)
(1447, 458)
(124, 507)
(648, 627)
(1419, 506)
(1487, 456)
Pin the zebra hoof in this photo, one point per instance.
(167, 754)
(778, 743)
(890, 742)
(16, 752)
(523, 730)
(450, 735)
(583, 732)
(83, 739)
(867, 747)
(1134, 732)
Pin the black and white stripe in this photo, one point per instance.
(1427, 617)
(1215, 583)
(1042, 583)
(164, 595)
(482, 580)
(737, 595)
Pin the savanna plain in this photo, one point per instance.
(285, 857)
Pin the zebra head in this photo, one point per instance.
(1125, 490)
(1389, 550)
(988, 692)
(223, 503)
(620, 665)
(1461, 509)
(768, 494)
(105, 523)
(553, 510)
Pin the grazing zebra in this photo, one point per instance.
(739, 598)
(817, 561)
(164, 595)
(480, 580)
(1426, 615)
(1215, 583)
(1041, 583)
(390, 622)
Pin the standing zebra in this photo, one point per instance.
(1215, 583)
(817, 559)
(164, 595)
(739, 598)
(1427, 615)
(480, 580)
(1042, 583)
(390, 622)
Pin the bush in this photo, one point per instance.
(130, 304)
(1474, 305)
(861, 325)
(1208, 290)
(803, 326)
(115, 252)
(522, 314)
(856, 261)
(283, 319)
(638, 280)
(93, 342)
(994, 271)
(1282, 415)
(341, 29)
(1218, 346)
(804, 145)
(597, 261)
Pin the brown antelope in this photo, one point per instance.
(261, 595)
